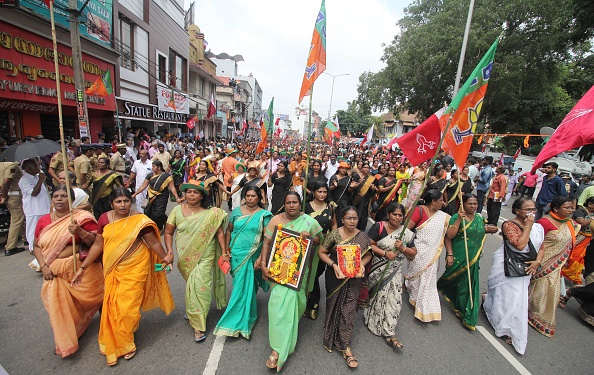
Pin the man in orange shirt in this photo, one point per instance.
(228, 167)
(297, 169)
(496, 196)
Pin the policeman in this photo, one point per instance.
(56, 166)
(117, 163)
(10, 173)
(82, 167)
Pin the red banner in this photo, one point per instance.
(27, 70)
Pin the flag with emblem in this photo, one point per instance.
(464, 110)
(330, 132)
(420, 144)
(316, 60)
(102, 86)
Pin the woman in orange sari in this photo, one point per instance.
(131, 249)
(70, 308)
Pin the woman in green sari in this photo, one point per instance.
(244, 235)
(286, 306)
(200, 241)
(453, 284)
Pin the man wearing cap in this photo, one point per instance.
(82, 168)
(570, 186)
(297, 168)
(56, 166)
(117, 162)
(10, 174)
(228, 167)
(163, 156)
(552, 186)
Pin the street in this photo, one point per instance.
(165, 343)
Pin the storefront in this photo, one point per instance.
(28, 94)
(150, 118)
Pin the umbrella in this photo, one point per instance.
(29, 150)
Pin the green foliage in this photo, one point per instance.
(543, 64)
(355, 119)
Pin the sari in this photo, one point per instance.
(246, 244)
(452, 189)
(386, 197)
(215, 197)
(286, 306)
(236, 198)
(382, 313)
(506, 304)
(340, 195)
(102, 188)
(404, 185)
(157, 196)
(178, 172)
(342, 296)
(70, 309)
(575, 263)
(414, 187)
(197, 253)
(279, 192)
(421, 280)
(453, 284)
(543, 292)
(131, 284)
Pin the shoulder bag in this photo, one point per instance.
(515, 261)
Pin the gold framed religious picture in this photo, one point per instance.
(289, 256)
(348, 258)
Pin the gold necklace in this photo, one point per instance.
(188, 208)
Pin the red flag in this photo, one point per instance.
(368, 136)
(277, 121)
(212, 109)
(47, 2)
(191, 123)
(518, 152)
(420, 144)
(501, 160)
(576, 129)
(316, 60)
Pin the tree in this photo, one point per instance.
(543, 64)
(356, 119)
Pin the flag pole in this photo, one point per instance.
(466, 245)
(463, 50)
(305, 181)
(61, 126)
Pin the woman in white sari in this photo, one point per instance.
(239, 175)
(421, 280)
(506, 302)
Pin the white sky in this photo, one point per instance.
(273, 36)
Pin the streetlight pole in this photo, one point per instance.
(332, 91)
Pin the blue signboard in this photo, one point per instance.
(96, 19)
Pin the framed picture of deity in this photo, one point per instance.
(348, 258)
(288, 258)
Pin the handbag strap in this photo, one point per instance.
(532, 250)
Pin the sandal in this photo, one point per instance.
(351, 361)
(272, 362)
(483, 298)
(130, 355)
(199, 336)
(393, 342)
(508, 340)
(564, 299)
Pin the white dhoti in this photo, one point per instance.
(139, 200)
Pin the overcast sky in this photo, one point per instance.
(274, 37)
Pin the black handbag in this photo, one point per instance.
(514, 261)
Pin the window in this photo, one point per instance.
(202, 91)
(126, 43)
(162, 68)
(177, 71)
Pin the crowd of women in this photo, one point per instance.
(122, 265)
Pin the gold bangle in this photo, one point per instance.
(83, 237)
(43, 265)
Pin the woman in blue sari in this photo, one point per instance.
(244, 237)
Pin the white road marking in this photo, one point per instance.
(510, 358)
(215, 355)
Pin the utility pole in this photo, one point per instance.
(79, 81)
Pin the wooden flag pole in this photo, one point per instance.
(61, 125)
(306, 178)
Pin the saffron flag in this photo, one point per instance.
(420, 144)
(463, 112)
(527, 141)
(316, 60)
(102, 86)
(368, 136)
(171, 103)
(266, 127)
(212, 109)
(576, 129)
(329, 132)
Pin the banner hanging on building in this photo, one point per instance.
(179, 104)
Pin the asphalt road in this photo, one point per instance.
(165, 343)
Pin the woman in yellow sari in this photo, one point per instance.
(200, 241)
(132, 253)
(70, 309)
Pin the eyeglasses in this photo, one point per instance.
(354, 218)
(528, 209)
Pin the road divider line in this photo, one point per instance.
(507, 355)
(215, 355)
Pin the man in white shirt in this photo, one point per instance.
(36, 202)
(472, 170)
(274, 162)
(330, 167)
(140, 169)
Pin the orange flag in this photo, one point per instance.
(316, 61)
(527, 141)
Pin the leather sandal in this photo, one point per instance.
(393, 342)
(199, 336)
(564, 299)
(130, 355)
(351, 361)
(271, 362)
